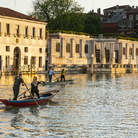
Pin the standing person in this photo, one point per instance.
(34, 87)
(51, 72)
(63, 75)
(17, 81)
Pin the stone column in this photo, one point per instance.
(71, 48)
(93, 51)
(103, 60)
(121, 53)
(73, 51)
(83, 48)
(64, 43)
(61, 47)
(80, 48)
(112, 53)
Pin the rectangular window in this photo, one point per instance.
(130, 24)
(40, 50)
(107, 52)
(123, 50)
(40, 32)
(68, 47)
(26, 31)
(26, 49)
(7, 48)
(17, 30)
(130, 51)
(137, 17)
(97, 53)
(57, 47)
(136, 51)
(33, 33)
(86, 48)
(131, 17)
(33, 60)
(77, 48)
(116, 56)
(40, 62)
(8, 29)
(25, 60)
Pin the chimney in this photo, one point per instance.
(117, 6)
(92, 11)
(99, 10)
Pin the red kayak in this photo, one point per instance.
(44, 97)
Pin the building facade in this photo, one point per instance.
(69, 49)
(98, 54)
(22, 42)
(115, 16)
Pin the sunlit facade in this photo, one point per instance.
(22, 42)
(103, 54)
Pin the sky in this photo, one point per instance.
(25, 6)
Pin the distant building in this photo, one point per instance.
(22, 42)
(129, 26)
(113, 16)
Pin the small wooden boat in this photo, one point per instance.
(70, 81)
(44, 97)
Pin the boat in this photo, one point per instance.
(70, 81)
(26, 102)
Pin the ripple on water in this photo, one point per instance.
(101, 105)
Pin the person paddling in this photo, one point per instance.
(51, 72)
(34, 87)
(63, 75)
(16, 86)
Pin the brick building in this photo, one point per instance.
(129, 25)
(113, 16)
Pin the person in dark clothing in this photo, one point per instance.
(34, 87)
(63, 75)
(17, 81)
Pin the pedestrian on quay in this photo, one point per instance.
(63, 75)
(16, 86)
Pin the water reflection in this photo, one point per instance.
(101, 105)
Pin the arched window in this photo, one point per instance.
(77, 48)
(57, 47)
(86, 48)
(68, 47)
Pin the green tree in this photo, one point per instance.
(92, 23)
(58, 13)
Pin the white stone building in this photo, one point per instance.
(69, 49)
(22, 42)
(98, 54)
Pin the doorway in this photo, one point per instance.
(16, 59)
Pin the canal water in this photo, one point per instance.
(97, 106)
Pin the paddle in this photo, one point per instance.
(23, 93)
(32, 95)
(56, 78)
